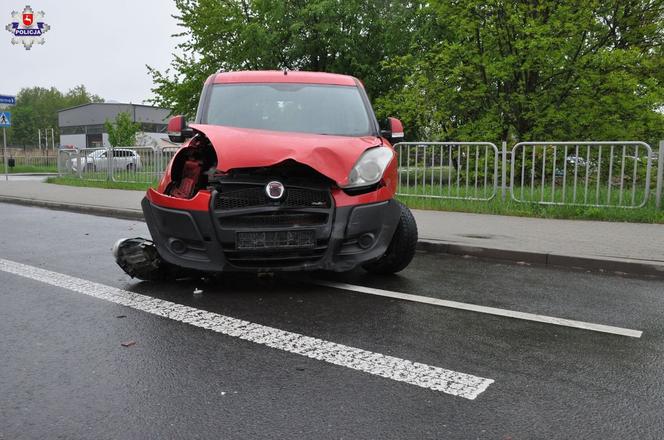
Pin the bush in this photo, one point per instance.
(443, 174)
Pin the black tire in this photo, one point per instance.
(131, 167)
(139, 258)
(91, 168)
(401, 250)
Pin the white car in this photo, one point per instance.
(123, 159)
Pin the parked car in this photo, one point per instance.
(654, 156)
(123, 159)
(281, 171)
(578, 160)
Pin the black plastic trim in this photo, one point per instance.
(337, 250)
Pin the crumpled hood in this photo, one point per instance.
(332, 156)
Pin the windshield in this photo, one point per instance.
(305, 108)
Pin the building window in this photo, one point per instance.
(153, 128)
(95, 129)
(75, 129)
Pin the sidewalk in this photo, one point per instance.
(110, 202)
(622, 247)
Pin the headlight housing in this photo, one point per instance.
(369, 168)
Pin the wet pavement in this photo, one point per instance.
(65, 374)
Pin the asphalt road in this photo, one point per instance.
(64, 373)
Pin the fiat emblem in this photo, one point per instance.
(274, 190)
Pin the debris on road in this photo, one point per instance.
(121, 316)
(197, 291)
(128, 343)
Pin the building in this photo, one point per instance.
(83, 126)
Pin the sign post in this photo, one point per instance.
(6, 121)
(4, 151)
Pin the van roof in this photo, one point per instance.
(281, 76)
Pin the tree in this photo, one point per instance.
(122, 133)
(451, 69)
(37, 108)
(344, 36)
(534, 70)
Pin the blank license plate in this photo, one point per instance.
(275, 240)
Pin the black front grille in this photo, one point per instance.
(241, 198)
(275, 257)
(306, 198)
(274, 219)
(256, 231)
(255, 196)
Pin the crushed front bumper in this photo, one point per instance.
(270, 239)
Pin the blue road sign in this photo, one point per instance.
(5, 119)
(7, 100)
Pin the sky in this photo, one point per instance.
(102, 44)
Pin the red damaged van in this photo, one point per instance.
(281, 171)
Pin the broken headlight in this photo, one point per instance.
(370, 167)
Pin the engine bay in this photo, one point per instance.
(190, 168)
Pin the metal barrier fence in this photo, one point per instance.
(129, 164)
(448, 170)
(138, 164)
(597, 174)
(32, 163)
(65, 164)
(600, 174)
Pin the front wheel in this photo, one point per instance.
(401, 250)
(139, 258)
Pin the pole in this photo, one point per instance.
(52, 139)
(4, 151)
(39, 136)
(109, 156)
(660, 176)
(504, 170)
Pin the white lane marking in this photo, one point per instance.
(482, 309)
(390, 367)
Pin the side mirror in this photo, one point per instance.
(394, 132)
(178, 130)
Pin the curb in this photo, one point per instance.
(102, 211)
(32, 174)
(620, 266)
